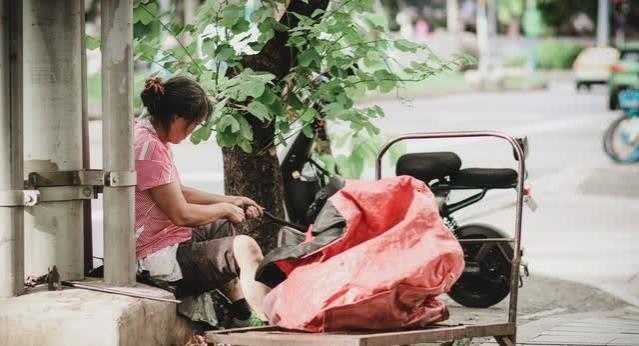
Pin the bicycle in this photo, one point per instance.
(621, 139)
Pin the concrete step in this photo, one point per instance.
(80, 317)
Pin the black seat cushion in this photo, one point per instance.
(485, 178)
(428, 166)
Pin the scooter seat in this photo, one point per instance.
(485, 178)
(428, 166)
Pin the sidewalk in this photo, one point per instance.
(616, 327)
(585, 231)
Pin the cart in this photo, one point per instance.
(504, 332)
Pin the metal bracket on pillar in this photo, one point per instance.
(19, 198)
(120, 178)
(93, 177)
(67, 185)
(76, 185)
(67, 193)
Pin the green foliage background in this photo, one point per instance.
(344, 54)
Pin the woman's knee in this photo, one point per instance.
(245, 247)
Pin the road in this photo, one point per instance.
(584, 229)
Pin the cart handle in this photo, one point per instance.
(521, 168)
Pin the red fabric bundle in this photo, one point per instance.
(394, 257)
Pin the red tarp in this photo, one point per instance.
(393, 258)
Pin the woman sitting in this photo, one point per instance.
(177, 227)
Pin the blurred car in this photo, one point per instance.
(624, 74)
(592, 65)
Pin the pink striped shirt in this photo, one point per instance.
(154, 165)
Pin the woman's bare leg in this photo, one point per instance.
(248, 256)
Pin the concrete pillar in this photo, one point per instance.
(452, 16)
(11, 218)
(53, 114)
(603, 23)
(117, 134)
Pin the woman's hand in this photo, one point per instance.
(253, 210)
(233, 213)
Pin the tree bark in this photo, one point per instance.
(258, 175)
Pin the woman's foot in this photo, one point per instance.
(252, 321)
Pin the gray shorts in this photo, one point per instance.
(206, 260)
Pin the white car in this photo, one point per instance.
(592, 65)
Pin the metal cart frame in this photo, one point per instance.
(504, 333)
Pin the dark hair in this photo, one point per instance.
(179, 96)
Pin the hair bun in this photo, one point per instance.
(153, 91)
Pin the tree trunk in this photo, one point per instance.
(258, 175)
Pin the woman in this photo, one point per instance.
(175, 225)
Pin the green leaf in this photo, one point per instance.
(344, 100)
(308, 131)
(261, 14)
(231, 14)
(245, 146)
(317, 12)
(267, 98)
(245, 129)
(387, 86)
(225, 138)
(92, 43)
(145, 13)
(307, 57)
(226, 121)
(295, 102)
(259, 110)
(371, 129)
(201, 134)
(241, 26)
(277, 108)
(254, 88)
(225, 53)
(308, 114)
(377, 21)
(334, 110)
(406, 46)
(379, 110)
(373, 55)
(277, 26)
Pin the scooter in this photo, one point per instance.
(486, 278)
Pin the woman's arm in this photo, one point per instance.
(195, 196)
(171, 200)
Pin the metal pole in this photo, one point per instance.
(452, 15)
(117, 134)
(603, 16)
(11, 218)
(492, 18)
(53, 110)
(86, 159)
(482, 39)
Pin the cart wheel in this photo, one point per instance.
(486, 278)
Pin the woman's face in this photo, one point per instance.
(180, 129)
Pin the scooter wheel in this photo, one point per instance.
(488, 282)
